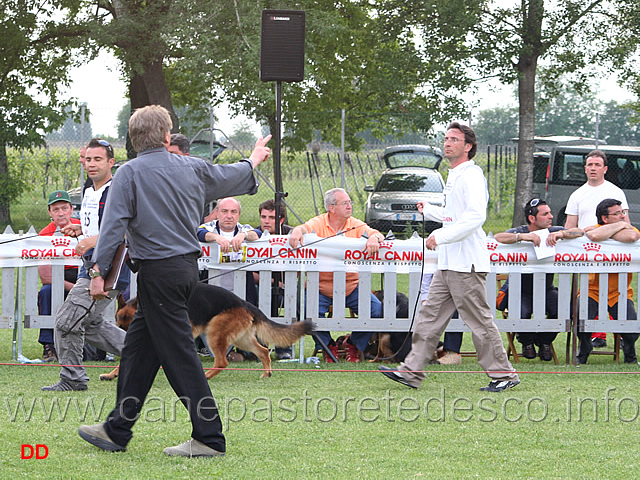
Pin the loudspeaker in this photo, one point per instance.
(282, 46)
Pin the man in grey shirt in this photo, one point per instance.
(157, 200)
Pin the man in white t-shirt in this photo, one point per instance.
(582, 205)
(79, 319)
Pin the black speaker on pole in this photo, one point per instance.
(282, 46)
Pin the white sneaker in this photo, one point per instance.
(192, 448)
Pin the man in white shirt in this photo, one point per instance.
(79, 319)
(582, 205)
(463, 264)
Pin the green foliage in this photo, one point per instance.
(41, 40)
(243, 135)
(357, 59)
(497, 126)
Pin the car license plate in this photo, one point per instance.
(406, 216)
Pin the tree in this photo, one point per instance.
(243, 135)
(40, 41)
(497, 126)
(73, 129)
(137, 32)
(508, 43)
(357, 59)
(619, 124)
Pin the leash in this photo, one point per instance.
(19, 239)
(415, 306)
(88, 311)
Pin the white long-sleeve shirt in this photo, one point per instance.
(462, 243)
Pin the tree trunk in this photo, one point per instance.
(527, 67)
(526, 145)
(150, 88)
(5, 200)
(147, 85)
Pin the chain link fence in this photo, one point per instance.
(305, 177)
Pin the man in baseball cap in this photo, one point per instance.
(60, 210)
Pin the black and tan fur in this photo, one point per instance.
(226, 320)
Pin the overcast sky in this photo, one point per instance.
(99, 84)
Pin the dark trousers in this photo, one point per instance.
(160, 335)
(44, 308)
(629, 339)
(526, 311)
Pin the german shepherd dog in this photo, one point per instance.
(226, 320)
(391, 346)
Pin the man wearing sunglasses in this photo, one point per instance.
(459, 283)
(539, 217)
(70, 335)
(611, 224)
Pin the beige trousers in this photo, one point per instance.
(466, 293)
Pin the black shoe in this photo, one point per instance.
(545, 353)
(598, 342)
(529, 351)
(395, 375)
(500, 385)
(581, 361)
(283, 353)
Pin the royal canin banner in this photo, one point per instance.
(272, 252)
(404, 256)
(25, 251)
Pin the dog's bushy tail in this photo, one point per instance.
(278, 334)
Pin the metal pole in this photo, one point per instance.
(597, 128)
(211, 117)
(83, 107)
(342, 148)
(279, 193)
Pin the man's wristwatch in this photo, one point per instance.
(94, 273)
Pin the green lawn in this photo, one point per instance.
(338, 421)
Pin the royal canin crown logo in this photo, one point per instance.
(386, 244)
(592, 247)
(278, 241)
(61, 242)
(492, 245)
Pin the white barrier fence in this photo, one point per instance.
(571, 261)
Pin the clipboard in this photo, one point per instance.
(117, 264)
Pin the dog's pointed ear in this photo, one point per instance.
(134, 303)
(121, 301)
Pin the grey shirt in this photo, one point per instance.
(157, 200)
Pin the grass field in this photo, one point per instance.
(338, 421)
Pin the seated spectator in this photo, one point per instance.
(229, 233)
(267, 211)
(611, 224)
(538, 216)
(338, 219)
(60, 210)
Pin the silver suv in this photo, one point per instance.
(412, 176)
